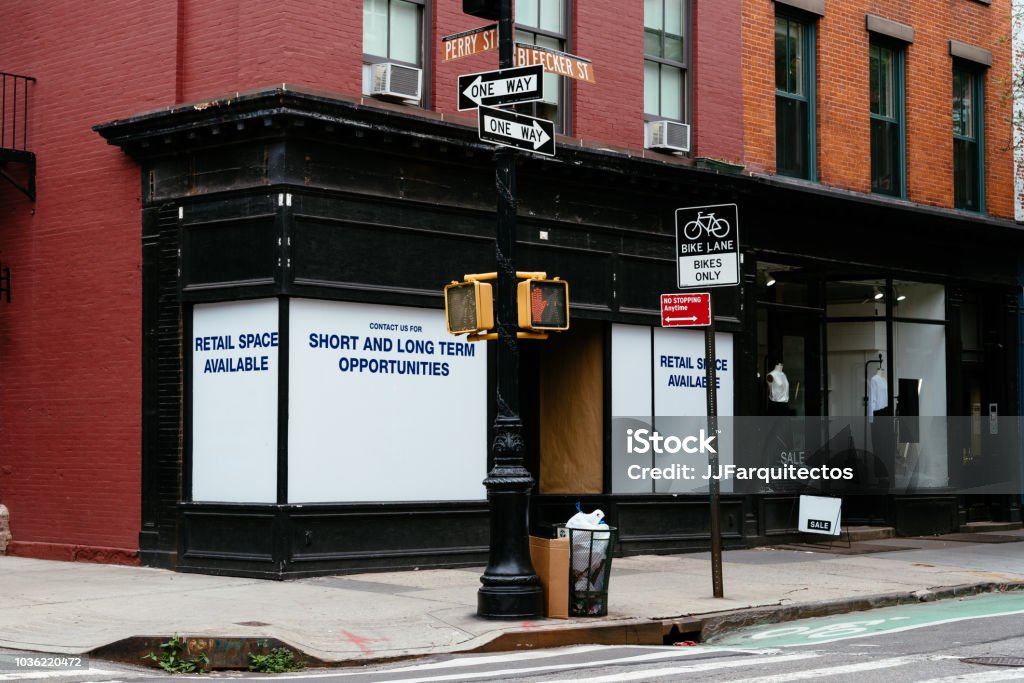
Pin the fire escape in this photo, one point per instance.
(17, 163)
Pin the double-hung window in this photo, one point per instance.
(543, 23)
(665, 59)
(393, 31)
(888, 133)
(795, 129)
(968, 138)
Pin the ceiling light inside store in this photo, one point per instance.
(769, 280)
(878, 294)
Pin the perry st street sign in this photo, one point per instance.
(504, 86)
(512, 129)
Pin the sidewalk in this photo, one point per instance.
(78, 608)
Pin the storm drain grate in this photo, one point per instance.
(995, 661)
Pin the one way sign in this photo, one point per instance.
(512, 129)
(505, 86)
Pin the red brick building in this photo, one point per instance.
(255, 184)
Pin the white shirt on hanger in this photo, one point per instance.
(878, 393)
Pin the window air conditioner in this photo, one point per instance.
(397, 81)
(670, 136)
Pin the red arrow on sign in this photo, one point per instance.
(686, 310)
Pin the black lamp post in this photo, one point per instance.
(511, 589)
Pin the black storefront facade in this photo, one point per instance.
(295, 208)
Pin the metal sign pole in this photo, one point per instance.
(711, 381)
(511, 589)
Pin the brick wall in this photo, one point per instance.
(611, 34)
(718, 106)
(843, 108)
(236, 46)
(70, 338)
(1017, 14)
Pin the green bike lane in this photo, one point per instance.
(879, 621)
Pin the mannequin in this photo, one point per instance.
(779, 437)
(878, 394)
(778, 391)
(778, 385)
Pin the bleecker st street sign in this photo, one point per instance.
(708, 246)
(505, 86)
(511, 129)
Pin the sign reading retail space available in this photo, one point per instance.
(692, 309)
(708, 246)
(505, 86)
(512, 129)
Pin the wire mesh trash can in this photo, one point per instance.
(590, 567)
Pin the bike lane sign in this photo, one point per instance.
(708, 246)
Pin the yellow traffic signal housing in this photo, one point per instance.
(468, 307)
(543, 305)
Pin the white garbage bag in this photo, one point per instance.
(589, 551)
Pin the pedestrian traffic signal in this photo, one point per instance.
(485, 9)
(543, 305)
(468, 307)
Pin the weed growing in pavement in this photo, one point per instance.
(171, 660)
(279, 660)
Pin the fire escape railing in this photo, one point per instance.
(14, 112)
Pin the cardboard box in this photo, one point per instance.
(550, 557)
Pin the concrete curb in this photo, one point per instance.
(228, 652)
(716, 624)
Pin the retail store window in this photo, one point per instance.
(887, 379)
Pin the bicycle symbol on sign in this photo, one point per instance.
(706, 224)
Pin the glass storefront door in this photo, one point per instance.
(789, 363)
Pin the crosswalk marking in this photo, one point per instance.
(62, 673)
(498, 658)
(832, 670)
(663, 654)
(693, 668)
(981, 677)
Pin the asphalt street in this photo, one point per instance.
(969, 640)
